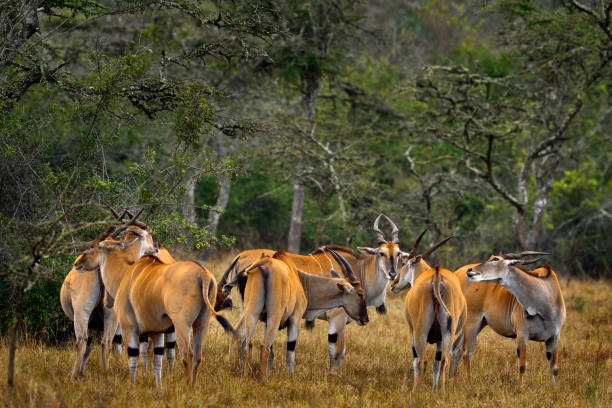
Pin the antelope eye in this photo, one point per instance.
(495, 259)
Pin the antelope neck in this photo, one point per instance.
(374, 285)
(321, 292)
(112, 274)
(534, 294)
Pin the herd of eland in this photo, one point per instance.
(135, 292)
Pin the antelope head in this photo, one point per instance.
(412, 265)
(353, 301)
(497, 267)
(387, 252)
(94, 256)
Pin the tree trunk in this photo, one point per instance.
(309, 100)
(189, 201)
(295, 230)
(13, 339)
(214, 215)
(544, 182)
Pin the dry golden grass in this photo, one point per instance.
(377, 370)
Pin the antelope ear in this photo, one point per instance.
(341, 287)
(367, 250)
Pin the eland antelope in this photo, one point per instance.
(515, 302)
(435, 310)
(83, 300)
(374, 271)
(280, 295)
(151, 298)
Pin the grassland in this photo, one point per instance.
(376, 370)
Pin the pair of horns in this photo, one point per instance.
(113, 231)
(524, 254)
(379, 234)
(226, 288)
(415, 247)
(127, 212)
(223, 280)
(531, 261)
(346, 267)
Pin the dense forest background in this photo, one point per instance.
(293, 124)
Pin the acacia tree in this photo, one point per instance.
(493, 118)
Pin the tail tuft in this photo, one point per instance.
(310, 324)
(227, 326)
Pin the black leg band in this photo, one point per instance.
(438, 355)
(291, 345)
(133, 352)
(117, 339)
(332, 337)
(89, 340)
(518, 352)
(414, 353)
(158, 351)
(170, 345)
(548, 355)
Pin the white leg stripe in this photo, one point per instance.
(290, 362)
(143, 354)
(133, 364)
(157, 367)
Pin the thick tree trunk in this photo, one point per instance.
(295, 230)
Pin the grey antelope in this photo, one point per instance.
(373, 274)
(281, 295)
(151, 298)
(82, 294)
(518, 303)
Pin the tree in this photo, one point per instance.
(309, 53)
(83, 96)
(489, 117)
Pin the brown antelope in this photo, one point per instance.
(152, 297)
(517, 303)
(281, 295)
(82, 295)
(373, 274)
(436, 310)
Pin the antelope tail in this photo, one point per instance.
(206, 288)
(436, 292)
